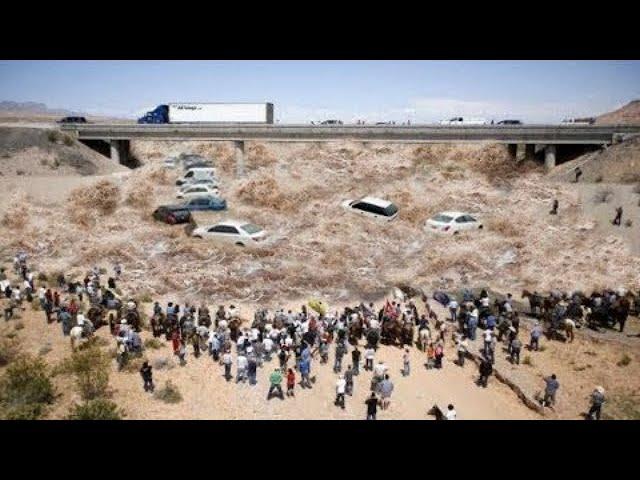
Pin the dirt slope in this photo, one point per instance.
(45, 152)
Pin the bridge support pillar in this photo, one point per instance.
(120, 151)
(239, 154)
(550, 157)
(521, 152)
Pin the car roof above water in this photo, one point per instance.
(379, 202)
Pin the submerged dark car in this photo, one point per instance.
(172, 214)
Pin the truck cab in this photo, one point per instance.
(158, 115)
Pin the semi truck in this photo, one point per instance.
(210, 113)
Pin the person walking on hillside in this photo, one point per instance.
(578, 173)
(486, 369)
(372, 406)
(618, 218)
(516, 347)
(536, 333)
(550, 390)
(554, 207)
(453, 309)
(275, 379)
(147, 377)
(252, 369)
(462, 351)
(348, 377)
(597, 400)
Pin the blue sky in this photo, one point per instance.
(422, 91)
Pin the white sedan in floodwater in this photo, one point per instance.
(239, 233)
(452, 223)
(372, 207)
(198, 191)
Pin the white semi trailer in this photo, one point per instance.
(210, 113)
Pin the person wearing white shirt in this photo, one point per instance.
(341, 385)
(453, 309)
(268, 348)
(243, 363)
(369, 354)
(374, 323)
(484, 301)
(451, 413)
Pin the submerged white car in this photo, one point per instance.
(452, 222)
(372, 207)
(232, 231)
(198, 190)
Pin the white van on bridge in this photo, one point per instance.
(455, 121)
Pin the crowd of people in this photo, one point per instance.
(288, 342)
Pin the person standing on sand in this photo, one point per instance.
(147, 377)
(291, 383)
(439, 354)
(536, 333)
(227, 361)
(369, 354)
(355, 358)
(406, 367)
(462, 351)
(242, 368)
(386, 388)
(453, 309)
(554, 208)
(348, 377)
(275, 379)
(341, 385)
(252, 369)
(486, 369)
(372, 406)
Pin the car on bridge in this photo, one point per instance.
(331, 122)
(372, 207)
(461, 121)
(73, 120)
(452, 223)
(509, 122)
(172, 214)
(241, 233)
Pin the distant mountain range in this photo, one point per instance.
(34, 108)
(629, 114)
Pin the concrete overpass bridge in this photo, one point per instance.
(525, 140)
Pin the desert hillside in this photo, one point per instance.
(628, 114)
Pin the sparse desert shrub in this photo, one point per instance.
(16, 215)
(8, 351)
(19, 325)
(133, 364)
(100, 198)
(42, 277)
(52, 136)
(636, 188)
(20, 173)
(26, 389)
(145, 298)
(527, 360)
(624, 361)
(68, 141)
(96, 409)
(628, 223)
(35, 305)
(602, 196)
(91, 370)
(598, 179)
(169, 393)
(153, 343)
